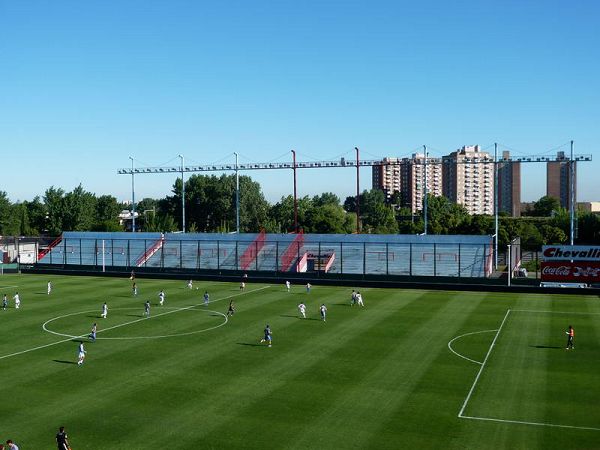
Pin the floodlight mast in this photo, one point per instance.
(237, 195)
(496, 196)
(182, 195)
(357, 190)
(425, 193)
(572, 200)
(132, 196)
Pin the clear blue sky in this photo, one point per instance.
(85, 84)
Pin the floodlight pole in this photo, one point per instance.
(182, 195)
(496, 197)
(572, 189)
(295, 193)
(357, 190)
(425, 192)
(132, 197)
(508, 267)
(237, 195)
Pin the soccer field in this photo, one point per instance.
(412, 369)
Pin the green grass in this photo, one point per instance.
(378, 377)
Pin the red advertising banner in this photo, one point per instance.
(577, 271)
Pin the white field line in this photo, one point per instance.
(45, 328)
(540, 424)
(463, 335)
(9, 286)
(460, 413)
(557, 312)
(124, 324)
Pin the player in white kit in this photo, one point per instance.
(49, 287)
(17, 300)
(359, 299)
(161, 297)
(81, 355)
(104, 310)
(288, 285)
(302, 310)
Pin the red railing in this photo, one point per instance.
(292, 252)
(302, 263)
(252, 251)
(150, 252)
(47, 250)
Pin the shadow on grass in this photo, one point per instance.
(63, 362)
(251, 345)
(342, 304)
(545, 346)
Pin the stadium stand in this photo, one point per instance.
(430, 255)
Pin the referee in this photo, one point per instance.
(61, 439)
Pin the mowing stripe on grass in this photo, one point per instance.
(460, 413)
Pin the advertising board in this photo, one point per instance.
(577, 271)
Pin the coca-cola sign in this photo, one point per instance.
(571, 253)
(582, 272)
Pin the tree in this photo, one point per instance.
(444, 216)
(53, 201)
(545, 206)
(79, 210)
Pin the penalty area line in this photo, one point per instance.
(522, 422)
(462, 410)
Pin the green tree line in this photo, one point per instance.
(210, 203)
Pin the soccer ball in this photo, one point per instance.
(197, 288)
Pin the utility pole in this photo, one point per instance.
(182, 194)
(295, 194)
(237, 195)
(572, 194)
(132, 197)
(496, 195)
(357, 190)
(425, 191)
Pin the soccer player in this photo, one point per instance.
(268, 338)
(288, 285)
(147, 308)
(231, 310)
(242, 286)
(323, 311)
(302, 309)
(4, 302)
(49, 287)
(61, 439)
(17, 300)
(104, 310)
(161, 297)
(353, 300)
(81, 355)
(571, 334)
(308, 286)
(189, 285)
(134, 289)
(206, 298)
(92, 335)
(12, 445)
(359, 299)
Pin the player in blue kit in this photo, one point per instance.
(268, 338)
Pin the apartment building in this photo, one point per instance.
(468, 179)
